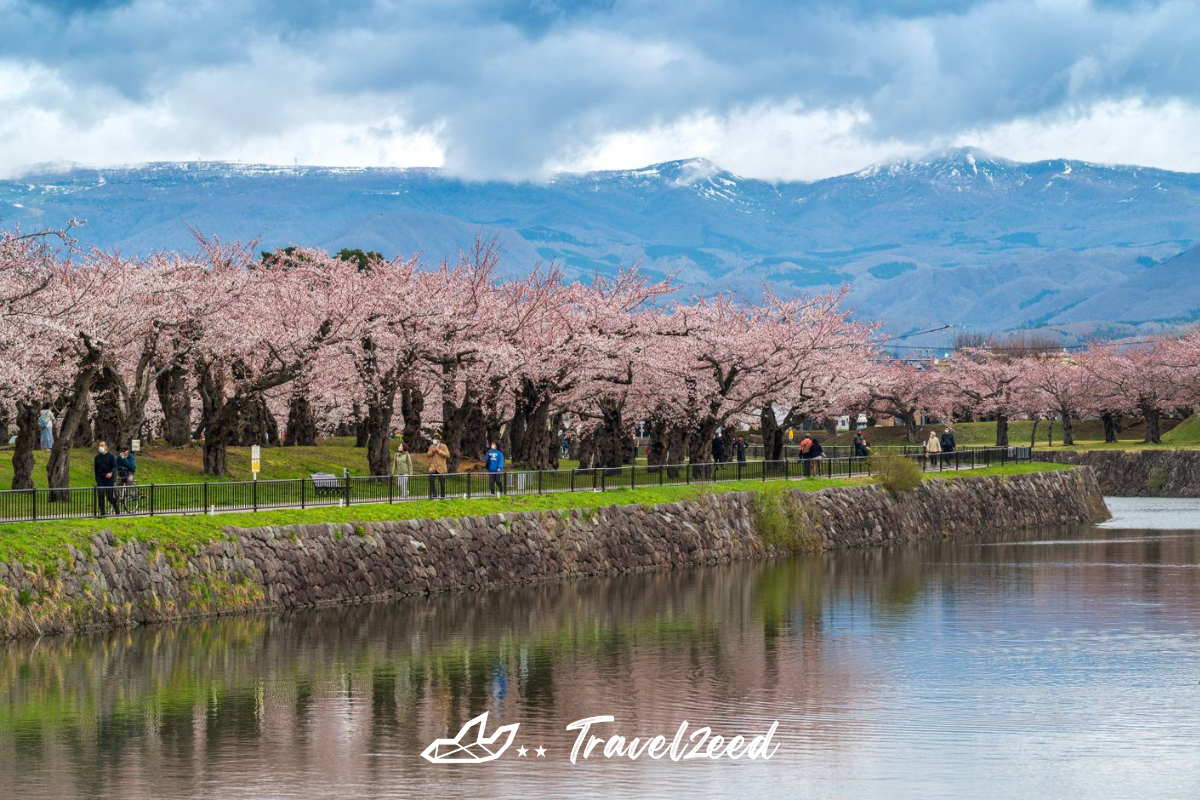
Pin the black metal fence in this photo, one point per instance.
(329, 490)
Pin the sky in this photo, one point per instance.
(511, 90)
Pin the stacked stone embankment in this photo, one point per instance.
(296, 566)
(1137, 473)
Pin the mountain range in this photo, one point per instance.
(958, 237)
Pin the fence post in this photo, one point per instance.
(633, 475)
(204, 498)
(539, 474)
(303, 489)
(603, 479)
(346, 474)
(687, 472)
(254, 493)
(468, 485)
(34, 504)
(152, 499)
(572, 480)
(739, 470)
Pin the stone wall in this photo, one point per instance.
(307, 565)
(1126, 473)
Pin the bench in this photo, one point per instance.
(326, 484)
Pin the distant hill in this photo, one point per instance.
(957, 237)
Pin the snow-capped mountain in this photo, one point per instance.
(955, 237)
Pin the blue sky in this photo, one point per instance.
(507, 89)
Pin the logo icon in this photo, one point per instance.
(475, 749)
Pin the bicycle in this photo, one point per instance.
(129, 496)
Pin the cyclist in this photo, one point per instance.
(125, 468)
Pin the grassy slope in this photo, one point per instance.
(1185, 433)
(41, 543)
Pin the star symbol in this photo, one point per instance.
(521, 751)
(541, 751)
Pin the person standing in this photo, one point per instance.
(812, 453)
(46, 428)
(933, 446)
(104, 466)
(718, 448)
(741, 450)
(947, 443)
(438, 453)
(126, 467)
(495, 467)
(402, 468)
(860, 446)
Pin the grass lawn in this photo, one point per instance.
(1185, 433)
(1089, 435)
(41, 543)
(185, 464)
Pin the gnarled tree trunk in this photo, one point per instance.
(412, 405)
(27, 436)
(301, 422)
(176, 402)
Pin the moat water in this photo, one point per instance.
(1059, 663)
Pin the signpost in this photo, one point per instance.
(135, 445)
(255, 460)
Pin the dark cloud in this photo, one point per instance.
(512, 84)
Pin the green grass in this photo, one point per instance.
(185, 464)
(1185, 433)
(1088, 434)
(39, 544)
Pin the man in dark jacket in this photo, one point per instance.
(719, 449)
(947, 442)
(741, 450)
(105, 468)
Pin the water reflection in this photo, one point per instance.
(1064, 660)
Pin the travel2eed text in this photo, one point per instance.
(473, 745)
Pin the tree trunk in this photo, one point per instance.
(533, 440)
(1153, 417)
(256, 424)
(301, 422)
(830, 424)
(378, 423)
(910, 426)
(772, 434)
(412, 404)
(176, 402)
(1001, 430)
(1110, 427)
(58, 469)
(610, 438)
(1033, 436)
(108, 410)
(27, 436)
(1068, 435)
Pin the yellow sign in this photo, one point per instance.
(790, 434)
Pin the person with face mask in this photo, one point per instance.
(105, 469)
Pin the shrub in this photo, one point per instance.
(783, 522)
(1156, 481)
(25, 598)
(896, 473)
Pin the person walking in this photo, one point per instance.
(46, 428)
(494, 459)
(814, 453)
(741, 450)
(805, 462)
(718, 448)
(860, 446)
(104, 467)
(437, 453)
(402, 468)
(933, 446)
(947, 443)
